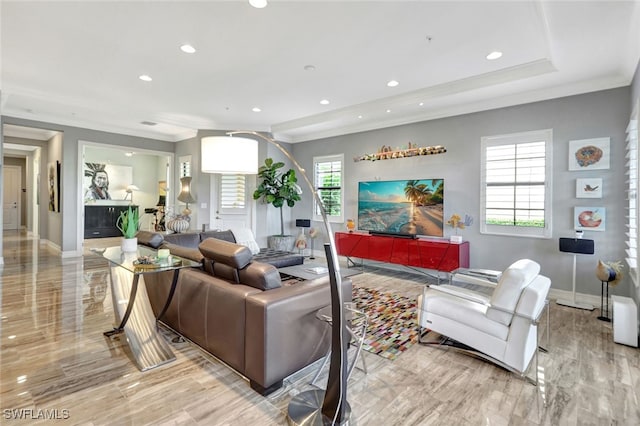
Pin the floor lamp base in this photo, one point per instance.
(574, 304)
(306, 409)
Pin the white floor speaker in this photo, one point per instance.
(625, 321)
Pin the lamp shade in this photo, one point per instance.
(185, 193)
(232, 155)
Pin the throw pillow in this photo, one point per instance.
(244, 237)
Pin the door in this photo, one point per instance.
(232, 206)
(11, 198)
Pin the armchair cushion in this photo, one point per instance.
(465, 312)
(507, 293)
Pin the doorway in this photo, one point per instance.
(11, 200)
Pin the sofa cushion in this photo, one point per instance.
(260, 275)
(244, 237)
(150, 239)
(221, 235)
(186, 239)
(230, 254)
(186, 252)
(278, 258)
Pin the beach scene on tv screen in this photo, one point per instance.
(402, 206)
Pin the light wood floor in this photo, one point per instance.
(55, 359)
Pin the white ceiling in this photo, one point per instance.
(77, 63)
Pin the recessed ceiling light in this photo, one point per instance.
(258, 4)
(388, 110)
(421, 104)
(494, 55)
(309, 68)
(324, 102)
(392, 83)
(145, 77)
(148, 123)
(128, 154)
(256, 109)
(187, 48)
(359, 116)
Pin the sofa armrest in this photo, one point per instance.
(283, 334)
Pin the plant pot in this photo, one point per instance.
(281, 242)
(129, 245)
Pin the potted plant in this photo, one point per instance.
(128, 223)
(279, 189)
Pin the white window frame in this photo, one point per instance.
(545, 135)
(327, 159)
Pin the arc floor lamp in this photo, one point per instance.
(229, 154)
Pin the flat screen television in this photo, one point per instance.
(402, 207)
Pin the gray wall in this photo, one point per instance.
(62, 229)
(598, 114)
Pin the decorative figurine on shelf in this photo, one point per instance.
(609, 274)
(351, 225)
(456, 222)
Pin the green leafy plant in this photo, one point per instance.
(277, 188)
(128, 222)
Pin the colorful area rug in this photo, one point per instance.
(392, 327)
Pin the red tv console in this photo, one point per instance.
(439, 255)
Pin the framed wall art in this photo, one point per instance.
(589, 154)
(105, 181)
(589, 188)
(589, 218)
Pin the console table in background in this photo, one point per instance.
(435, 254)
(100, 219)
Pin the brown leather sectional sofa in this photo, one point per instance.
(237, 310)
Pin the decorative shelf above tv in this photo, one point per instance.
(388, 153)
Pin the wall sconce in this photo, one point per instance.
(185, 194)
(129, 192)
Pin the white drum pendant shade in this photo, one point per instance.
(232, 155)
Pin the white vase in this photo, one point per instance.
(129, 245)
(178, 225)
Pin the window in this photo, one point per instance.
(233, 194)
(328, 180)
(185, 166)
(632, 200)
(516, 184)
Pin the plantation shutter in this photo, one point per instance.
(515, 179)
(232, 192)
(328, 181)
(632, 200)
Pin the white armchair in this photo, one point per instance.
(502, 327)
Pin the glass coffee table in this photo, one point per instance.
(131, 306)
(357, 321)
